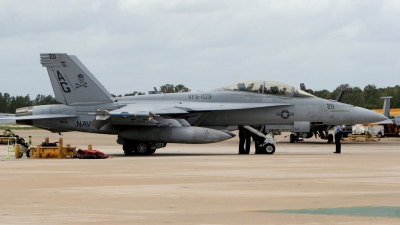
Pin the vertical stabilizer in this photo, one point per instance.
(72, 82)
(386, 106)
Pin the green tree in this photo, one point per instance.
(3, 102)
(371, 96)
(18, 102)
(44, 100)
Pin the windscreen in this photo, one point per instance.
(267, 87)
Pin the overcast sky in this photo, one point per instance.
(134, 45)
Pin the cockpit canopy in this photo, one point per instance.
(268, 87)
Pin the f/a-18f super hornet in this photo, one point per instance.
(148, 122)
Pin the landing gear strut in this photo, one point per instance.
(267, 146)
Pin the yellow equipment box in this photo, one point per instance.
(59, 151)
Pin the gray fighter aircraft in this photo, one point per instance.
(148, 122)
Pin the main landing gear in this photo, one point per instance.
(131, 147)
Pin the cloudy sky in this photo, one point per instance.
(134, 45)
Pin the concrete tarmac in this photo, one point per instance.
(204, 184)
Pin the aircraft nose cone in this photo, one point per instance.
(361, 115)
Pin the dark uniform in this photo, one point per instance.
(338, 137)
(244, 138)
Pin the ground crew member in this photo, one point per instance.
(244, 138)
(338, 136)
(8, 133)
(30, 141)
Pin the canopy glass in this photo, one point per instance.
(268, 87)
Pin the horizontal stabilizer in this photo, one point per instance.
(7, 118)
(36, 117)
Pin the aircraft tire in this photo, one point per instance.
(292, 138)
(142, 148)
(269, 149)
(28, 153)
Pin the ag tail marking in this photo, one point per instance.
(82, 83)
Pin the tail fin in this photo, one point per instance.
(72, 82)
(386, 106)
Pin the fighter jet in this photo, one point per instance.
(148, 122)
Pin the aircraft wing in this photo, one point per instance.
(154, 110)
(160, 114)
(179, 107)
(34, 117)
(218, 106)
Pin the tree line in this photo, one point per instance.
(369, 97)
(8, 103)
(168, 88)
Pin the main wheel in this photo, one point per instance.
(28, 153)
(269, 149)
(142, 148)
(292, 138)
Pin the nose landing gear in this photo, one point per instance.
(267, 146)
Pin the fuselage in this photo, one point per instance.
(312, 109)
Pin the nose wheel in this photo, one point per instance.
(270, 148)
